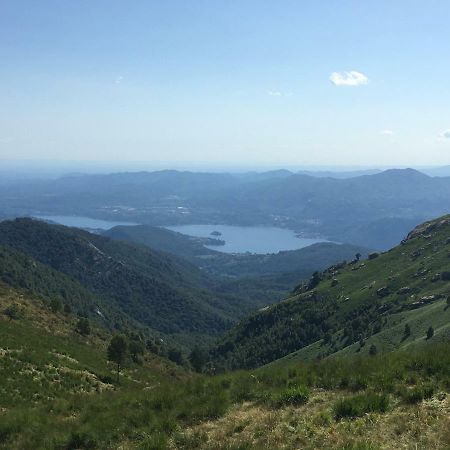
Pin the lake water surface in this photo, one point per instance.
(248, 239)
(237, 239)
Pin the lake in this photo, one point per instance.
(237, 239)
(84, 222)
(248, 239)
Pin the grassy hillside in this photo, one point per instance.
(389, 301)
(59, 392)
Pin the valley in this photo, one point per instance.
(328, 345)
(224, 225)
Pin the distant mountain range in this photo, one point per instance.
(370, 210)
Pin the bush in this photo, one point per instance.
(83, 327)
(418, 393)
(81, 440)
(13, 312)
(358, 405)
(296, 396)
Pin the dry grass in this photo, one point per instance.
(423, 426)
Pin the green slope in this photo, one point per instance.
(354, 306)
(58, 391)
(154, 289)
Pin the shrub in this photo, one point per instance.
(418, 393)
(56, 305)
(358, 405)
(83, 327)
(13, 312)
(81, 440)
(296, 396)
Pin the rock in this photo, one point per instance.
(404, 290)
(334, 282)
(426, 228)
(374, 255)
(436, 277)
(383, 292)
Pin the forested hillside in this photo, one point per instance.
(156, 290)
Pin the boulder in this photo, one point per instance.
(383, 292)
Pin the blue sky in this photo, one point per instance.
(226, 82)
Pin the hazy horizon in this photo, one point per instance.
(56, 168)
(285, 84)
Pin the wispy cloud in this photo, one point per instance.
(351, 78)
(445, 134)
(279, 94)
(386, 132)
(6, 140)
(118, 79)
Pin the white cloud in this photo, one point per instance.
(445, 134)
(386, 132)
(6, 140)
(118, 79)
(351, 78)
(279, 94)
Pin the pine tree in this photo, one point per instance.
(117, 352)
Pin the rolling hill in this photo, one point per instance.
(386, 302)
(261, 279)
(153, 289)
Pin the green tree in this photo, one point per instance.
(137, 349)
(175, 356)
(117, 352)
(373, 350)
(83, 327)
(55, 305)
(314, 280)
(430, 332)
(197, 358)
(358, 256)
